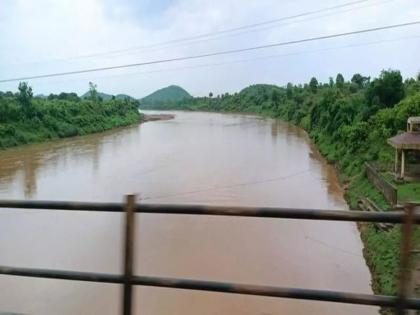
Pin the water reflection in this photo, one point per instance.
(328, 174)
(21, 168)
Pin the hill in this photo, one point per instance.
(161, 97)
(247, 100)
(107, 97)
(124, 96)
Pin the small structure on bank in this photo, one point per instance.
(407, 147)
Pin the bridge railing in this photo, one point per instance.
(407, 218)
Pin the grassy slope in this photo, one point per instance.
(409, 192)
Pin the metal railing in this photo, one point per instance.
(401, 302)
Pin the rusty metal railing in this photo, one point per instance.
(401, 302)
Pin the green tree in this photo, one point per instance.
(313, 85)
(412, 86)
(93, 92)
(289, 90)
(339, 81)
(387, 90)
(211, 94)
(360, 80)
(275, 98)
(25, 96)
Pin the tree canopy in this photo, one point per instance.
(26, 119)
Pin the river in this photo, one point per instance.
(196, 158)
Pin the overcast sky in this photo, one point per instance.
(47, 36)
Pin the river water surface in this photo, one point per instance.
(196, 158)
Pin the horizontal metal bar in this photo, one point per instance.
(62, 205)
(223, 287)
(263, 212)
(61, 274)
(285, 213)
(279, 292)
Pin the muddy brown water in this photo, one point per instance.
(196, 158)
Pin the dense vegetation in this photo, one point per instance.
(350, 121)
(108, 97)
(25, 119)
(161, 98)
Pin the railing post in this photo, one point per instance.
(404, 281)
(128, 253)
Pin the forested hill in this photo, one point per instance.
(107, 97)
(161, 98)
(27, 119)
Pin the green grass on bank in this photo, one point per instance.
(383, 250)
(362, 187)
(409, 192)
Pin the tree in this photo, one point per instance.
(93, 92)
(289, 90)
(387, 90)
(68, 96)
(64, 96)
(275, 98)
(25, 96)
(412, 86)
(339, 81)
(331, 82)
(313, 85)
(210, 94)
(360, 80)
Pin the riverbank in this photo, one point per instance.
(35, 120)
(142, 119)
(381, 248)
(349, 122)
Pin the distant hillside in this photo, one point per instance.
(164, 96)
(240, 102)
(107, 97)
(124, 96)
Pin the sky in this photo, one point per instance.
(50, 36)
